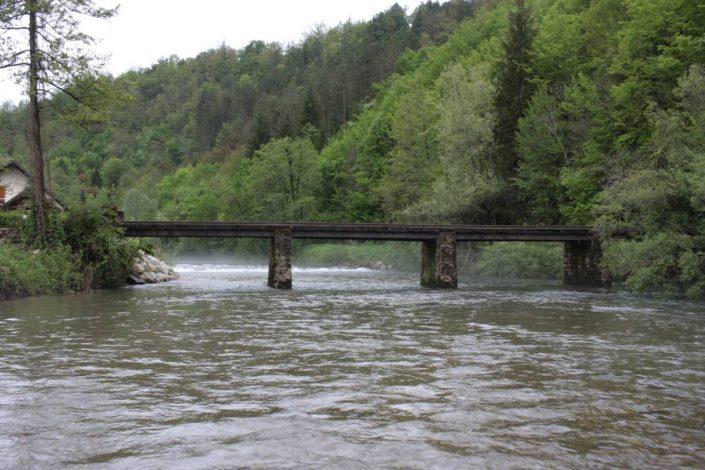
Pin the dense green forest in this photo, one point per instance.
(584, 112)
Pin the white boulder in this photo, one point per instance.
(146, 269)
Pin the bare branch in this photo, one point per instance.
(72, 95)
(16, 64)
(14, 55)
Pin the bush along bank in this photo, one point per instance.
(85, 250)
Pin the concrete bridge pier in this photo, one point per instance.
(280, 276)
(439, 262)
(582, 264)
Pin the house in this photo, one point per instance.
(14, 188)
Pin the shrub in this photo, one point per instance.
(666, 263)
(520, 260)
(400, 256)
(36, 272)
(104, 256)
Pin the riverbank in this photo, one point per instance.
(84, 250)
(39, 272)
(25, 273)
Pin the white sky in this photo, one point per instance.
(146, 30)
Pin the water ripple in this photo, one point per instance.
(355, 369)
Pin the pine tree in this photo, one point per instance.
(311, 115)
(513, 88)
(261, 134)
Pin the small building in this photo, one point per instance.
(14, 188)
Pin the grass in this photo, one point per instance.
(11, 219)
(24, 273)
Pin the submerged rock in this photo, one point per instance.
(379, 266)
(147, 269)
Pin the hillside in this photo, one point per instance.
(555, 112)
(224, 102)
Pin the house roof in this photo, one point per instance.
(13, 164)
(49, 195)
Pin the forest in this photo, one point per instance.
(573, 112)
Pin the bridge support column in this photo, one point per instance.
(280, 260)
(582, 265)
(439, 262)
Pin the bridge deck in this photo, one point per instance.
(342, 231)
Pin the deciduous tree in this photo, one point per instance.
(42, 41)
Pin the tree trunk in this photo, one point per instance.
(34, 130)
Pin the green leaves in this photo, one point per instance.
(665, 202)
(283, 179)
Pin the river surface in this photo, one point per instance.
(352, 369)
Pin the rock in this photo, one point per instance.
(135, 280)
(379, 266)
(147, 269)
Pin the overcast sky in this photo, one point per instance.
(146, 30)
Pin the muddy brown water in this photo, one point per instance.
(352, 369)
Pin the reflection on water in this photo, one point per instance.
(353, 368)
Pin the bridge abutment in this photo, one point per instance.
(582, 264)
(439, 262)
(280, 276)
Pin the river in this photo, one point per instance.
(355, 369)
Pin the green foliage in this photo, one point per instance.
(139, 206)
(398, 256)
(656, 46)
(467, 189)
(513, 87)
(583, 112)
(12, 219)
(520, 260)
(414, 156)
(664, 201)
(540, 146)
(103, 255)
(112, 172)
(665, 263)
(260, 134)
(282, 180)
(86, 251)
(25, 272)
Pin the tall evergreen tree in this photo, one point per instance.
(311, 115)
(261, 134)
(513, 87)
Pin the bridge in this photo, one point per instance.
(439, 265)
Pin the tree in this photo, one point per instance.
(415, 154)
(210, 113)
(513, 87)
(657, 43)
(311, 115)
(664, 201)
(49, 59)
(468, 190)
(112, 172)
(261, 134)
(543, 154)
(284, 176)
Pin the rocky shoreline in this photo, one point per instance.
(147, 269)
